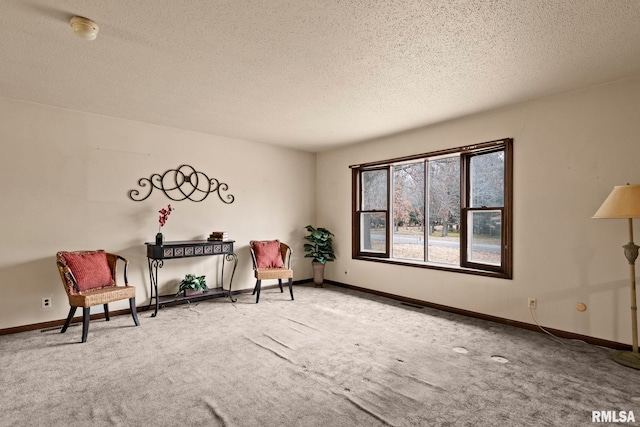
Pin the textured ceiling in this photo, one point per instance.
(311, 74)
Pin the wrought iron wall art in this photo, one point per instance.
(183, 183)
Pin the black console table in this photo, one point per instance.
(157, 254)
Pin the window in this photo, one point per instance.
(374, 215)
(448, 210)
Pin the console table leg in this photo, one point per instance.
(154, 264)
(230, 257)
(150, 284)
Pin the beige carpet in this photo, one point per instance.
(332, 357)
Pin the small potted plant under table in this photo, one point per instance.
(192, 285)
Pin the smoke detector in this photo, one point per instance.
(84, 28)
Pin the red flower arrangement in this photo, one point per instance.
(164, 215)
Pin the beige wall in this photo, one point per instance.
(65, 177)
(569, 152)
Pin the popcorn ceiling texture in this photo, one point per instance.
(311, 74)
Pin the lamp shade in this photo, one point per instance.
(623, 202)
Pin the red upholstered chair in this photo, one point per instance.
(271, 260)
(89, 278)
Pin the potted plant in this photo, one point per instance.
(320, 249)
(192, 285)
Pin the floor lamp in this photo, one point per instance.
(624, 202)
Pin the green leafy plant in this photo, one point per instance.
(320, 247)
(191, 282)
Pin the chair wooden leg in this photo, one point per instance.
(258, 285)
(134, 312)
(291, 288)
(106, 312)
(72, 311)
(280, 284)
(85, 322)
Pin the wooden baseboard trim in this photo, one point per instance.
(55, 324)
(523, 325)
(44, 326)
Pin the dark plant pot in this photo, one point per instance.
(190, 293)
(160, 239)
(318, 273)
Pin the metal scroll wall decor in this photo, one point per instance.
(183, 183)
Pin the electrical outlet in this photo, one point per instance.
(532, 303)
(46, 302)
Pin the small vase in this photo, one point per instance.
(159, 239)
(318, 273)
(190, 293)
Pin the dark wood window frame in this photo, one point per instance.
(386, 212)
(504, 270)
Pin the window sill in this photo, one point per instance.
(434, 266)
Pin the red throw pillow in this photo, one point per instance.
(268, 254)
(91, 270)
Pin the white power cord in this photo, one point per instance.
(554, 337)
(535, 319)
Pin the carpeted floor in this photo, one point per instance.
(332, 357)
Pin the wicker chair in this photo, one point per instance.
(89, 278)
(271, 260)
